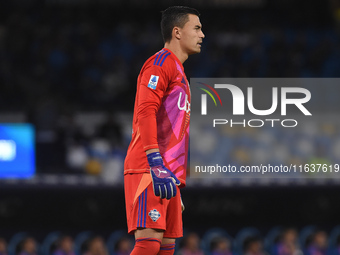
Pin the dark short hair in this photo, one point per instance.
(175, 16)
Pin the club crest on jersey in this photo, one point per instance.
(154, 215)
(153, 81)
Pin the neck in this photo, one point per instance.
(180, 54)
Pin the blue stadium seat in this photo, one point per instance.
(210, 235)
(304, 234)
(80, 239)
(114, 238)
(332, 241)
(271, 238)
(49, 240)
(14, 241)
(242, 235)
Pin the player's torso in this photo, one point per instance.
(174, 120)
(174, 114)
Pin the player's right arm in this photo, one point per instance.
(153, 85)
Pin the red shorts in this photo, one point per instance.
(145, 210)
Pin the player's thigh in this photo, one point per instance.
(149, 233)
(166, 240)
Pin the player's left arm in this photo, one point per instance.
(154, 83)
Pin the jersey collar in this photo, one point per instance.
(176, 58)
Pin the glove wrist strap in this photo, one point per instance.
(155, 159)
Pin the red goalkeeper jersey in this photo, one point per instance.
(161, 115)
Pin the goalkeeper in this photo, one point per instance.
(156, 161)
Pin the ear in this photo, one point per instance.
(176, 33)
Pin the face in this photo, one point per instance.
(256, 247)
(2, 245)
(191, 35)
(29, 245)
(223, 245)
(320, 239)
(97, 247)
(193, 241)
(67, 244)
(290, 236)
(125, 245)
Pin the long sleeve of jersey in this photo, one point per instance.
(153, 85)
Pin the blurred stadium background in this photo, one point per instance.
(69, 68)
